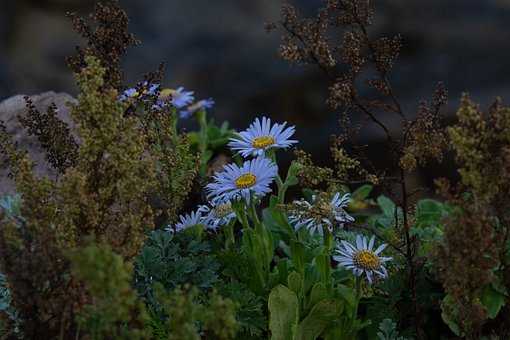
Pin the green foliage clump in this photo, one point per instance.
(388, 331)
(250, 310)
(473, 259)
(174, 260)
(104, 195)
(467, 260)
(113, 175)
(177, 164)
(482, 148)
(190, 319)
(112, 309)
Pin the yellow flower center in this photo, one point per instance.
(262, 142)
(246, 181)
(166, 93)
(321, 209)
(366, 259)
(223, 210)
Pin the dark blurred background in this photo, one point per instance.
(220, 49)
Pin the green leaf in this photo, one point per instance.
(362, 192)
(277, 222)
(347, 293)
(312, 276)
(308, 194)
(493, 300)
(298, 255)
(193, 137)
(320, 317)
(323, 264)
(429, 213)
(206, 156)
(283, 313)
(291, 181)
(387, 206)
(253, 247)
(281, 272)
(293, 169)
(388, 330)
(449, 314)
(319, 292)
(291, 178)
(273, 201)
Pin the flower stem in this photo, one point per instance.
(239, 209)
(282, 187)
(203, 140)
(253, 212)
(328, 240)
(358, 298)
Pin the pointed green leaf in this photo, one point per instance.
(323, 264)
(298, 255)
(387, 206)
(319, 292)
(362, 192)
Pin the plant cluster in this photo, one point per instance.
(235, 254)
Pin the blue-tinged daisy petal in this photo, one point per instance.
(203, 104)
(143, 92)
(129, 93)
(361, 258)
(254, 177)
(182, 98)
(261, 136)
(187, 221)
(217, 215)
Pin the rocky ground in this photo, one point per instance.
(10, 109)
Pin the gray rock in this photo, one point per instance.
(15, 106)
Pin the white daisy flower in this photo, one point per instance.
(362, 258)
(260, 136)
(217, 215)
(321, 213)
(254, 177)
(186, 221)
